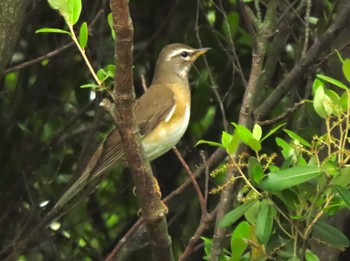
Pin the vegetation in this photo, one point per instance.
(262, 172)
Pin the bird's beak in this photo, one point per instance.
(200, 51)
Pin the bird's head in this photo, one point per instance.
(175, 60)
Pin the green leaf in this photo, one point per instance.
(332, 81)
(344, 101)
(264, 222)
(346, 69)
(330, 235)
(330, 168)
(110, 22)
(232, 216)
(52, 30)
(58, 4)
(83, 35)
(90, 85)
(344, 194)
(255, 170)
(309, 256)
(247, 137)
(233, 24)
(74, 10)
(272, 131)
(211, 143)
(257, 132)
(286, 178)
(226, 139)
(322, 103)
(295, 136)
(239, 239)
(317, 83)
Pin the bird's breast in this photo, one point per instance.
(170, 130)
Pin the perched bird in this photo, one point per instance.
(162, 114)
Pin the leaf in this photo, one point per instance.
(257, 132)
(346, 69)
(272, 131)
(58, 4)
(322, 103)
(332, 81)
(330, 168)
(74, 10)
(232, 216)
(264, 222)
(309, 256)
(83, 35)
(286, 178)
(330, 235)
(52, 30)
(90, 85)
(226, 139)
(344, 194)
(211, 143)
(255, 170)
(239, 239)
(247, 137)
(295, 136)
(110, 22)
(317, 83)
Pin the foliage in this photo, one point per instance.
(285, 205)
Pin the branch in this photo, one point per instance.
(153, 209)
(299, 70)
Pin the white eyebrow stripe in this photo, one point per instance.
(177, 52)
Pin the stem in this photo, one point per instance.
(82, 52)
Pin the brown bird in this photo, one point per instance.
(162, 114)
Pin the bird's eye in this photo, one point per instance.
(184, 54)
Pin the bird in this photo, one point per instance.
(162, 114)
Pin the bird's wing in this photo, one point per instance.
(103, 159)
(149, 112)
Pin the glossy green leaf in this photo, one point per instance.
(246, 137)
(90, 85)
(264, 222)
(257, 132)
(232, 216)
(58, 4)
(211, 143)
(286, 178)
(239, 239)
(74, 10)
(346, 69)
(317, 83)
(226, 139)
(309, 256)
(344, 194)
(286, 147)
(322, 103)
(332, 81)
(295, 136)
(52, 30)
(330, 235)
(83, 35)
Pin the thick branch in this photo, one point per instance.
(153, 210)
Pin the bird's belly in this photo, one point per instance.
(166, 135)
